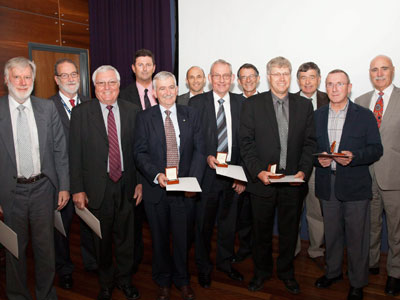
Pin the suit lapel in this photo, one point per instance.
(271, 115)
(183, 128)
(393, 109)
(158, 127)
(210, 107)
(324, 124)
(123, 115)
(97, 117)
(61, 109)
(40, 119)
(351, 117)
(6, 133)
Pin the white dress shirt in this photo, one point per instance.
(67, 103)
(313, 98)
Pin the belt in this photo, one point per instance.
(333, 172)
(23, 180)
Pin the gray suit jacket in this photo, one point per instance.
(52, 146)
(183, 99)
(387, 170)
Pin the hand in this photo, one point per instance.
(299, 174)
(212, 162)
(190, 194)
(162, 180)
(80, 200)
(325, 161)
(63, 198)
(264, 177)
(239, 186)
(344, 161)
(138, 194)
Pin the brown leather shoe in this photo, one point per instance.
(163, 293)
(187, 292)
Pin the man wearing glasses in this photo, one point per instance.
(343, 183)
(248, 79)
(277, 128)
(103, 177)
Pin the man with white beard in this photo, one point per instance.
(66, 76)
(34, 178)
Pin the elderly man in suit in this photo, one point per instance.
(308, 79)
(220, 115)
(343, 182)
(104, 177)
(248, 78)
(384, 101)
(196, 80)
(67, 78)
(34, 168)
(276, 127)
(169, 135)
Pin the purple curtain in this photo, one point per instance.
(119, 28)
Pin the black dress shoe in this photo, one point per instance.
(291, 285)
(66, 281)
(130, 291)
(374, 271)
(257, 283)
(324, 282)
(239, 258)
(355, 294)
(204, 280)
(233, 274)
(392, 286)
(105, 294)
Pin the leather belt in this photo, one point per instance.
(23, 180)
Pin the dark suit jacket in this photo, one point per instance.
(89, 150)
(322, 98)
(360, 136)
(183, 99)
(259, 138)
(204, 103)
(52, 144)
(131, 94)
(151, 148)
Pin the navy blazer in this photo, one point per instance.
(361, 136)
(150, 148)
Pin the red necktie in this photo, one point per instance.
(378, 109)
(72, 101)
(114, 157)
(172, 147)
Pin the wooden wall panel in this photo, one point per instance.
(75, 35)
(75, 10)
(48, 7)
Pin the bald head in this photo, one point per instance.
(381, 72)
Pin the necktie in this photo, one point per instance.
(114, 156)
(72, 101)
(378, 109)
(172, 146)
(24, 143)
(221, 128)
(283, 133)
(146, 100)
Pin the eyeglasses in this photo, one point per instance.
(251, 77)
(66, 75)
(218, 76)
(286, 74)
(103, 84)
(338, 85)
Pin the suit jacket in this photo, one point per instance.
(183, 99)
(204, 103)
(259, 138)
(52, 147)
(360, 135)
(88, 150)
(386, 169)
(322, 98)
(151, 148)
(131, 94)
(62, 113)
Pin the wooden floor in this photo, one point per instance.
(86, 285)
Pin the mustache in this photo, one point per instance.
(380, 78)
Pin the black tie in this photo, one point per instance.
(146, 100)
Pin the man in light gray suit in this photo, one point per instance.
(34, 168)
(196, 80)
(384, 101)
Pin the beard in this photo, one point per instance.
(20, 97)
(69, 88)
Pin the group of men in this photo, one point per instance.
(109, 153)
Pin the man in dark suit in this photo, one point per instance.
(344, 183)
(67, 78)
(276, 128)
(309, 79)
(162, 133)
(103, 177)
(220, 115)
(195, 80)
(34, 168)
(140, 93)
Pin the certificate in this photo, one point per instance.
(286, 179)
(186, 184)
(89, 219)
(9, 239)
(232, 171)
(58, 223)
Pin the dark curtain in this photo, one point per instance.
(120, 27)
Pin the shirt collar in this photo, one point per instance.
(344, 109)
(313, 96)
(217, 97)
(14, 104)
(104, 106)
(172, 109)
(387, 91)
(66, 99)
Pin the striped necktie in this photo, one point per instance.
(114, 155)
(221, 128)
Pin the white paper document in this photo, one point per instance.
(58, 223)
(186, 184)
(9, 239)
(232, 171)
(287, 179)
(89, 219)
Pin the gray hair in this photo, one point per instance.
(162, 76)
(223, 62)
(335, 71)
(105, 68)
(280, 62)
(19, 61)
(61, 61)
